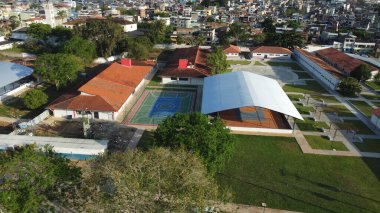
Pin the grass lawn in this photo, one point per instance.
(292, 65)
(371, 97)
(295, 97)
(357, 125)
(320, 142)
(258, 63)
(373, 85)
(341, 110)
(310, 125)
(326, 98)
(311, 87)
(240, 62)
(363, 107)
(303, 75)
(304, 109)
(369, 145)
(274, 170)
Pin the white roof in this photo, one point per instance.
(11, 72)
(241, 89)
(60, 145)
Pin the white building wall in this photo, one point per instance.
(271, 56)
(130, 27)
(189, 81)
(6, 46)
(327, 78)
(232, 54)
(375, 121)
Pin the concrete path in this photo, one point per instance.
(135, 139)
(8, 120)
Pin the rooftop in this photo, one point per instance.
(271, 49)
(11, 72)
(232, 49)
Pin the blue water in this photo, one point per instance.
(72, 156)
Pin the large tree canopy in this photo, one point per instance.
(238, 31)
(81, 48)
(105, 34)
(31, 180)
(210, 139)
(57, 69)
(158, 180)
(349, 86)
(361, 72)
(39, 31)
(217, 60)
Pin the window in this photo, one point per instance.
(78, 112)
(258, 54)
(183, 79)
(173, 78)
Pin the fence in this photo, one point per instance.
(36, 120)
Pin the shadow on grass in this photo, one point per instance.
(275, 192)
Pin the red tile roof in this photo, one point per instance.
(107, 91)
(232, 49)
(332, 70)
(341, 60)
(197, 61)
(376, 112)
(272, 49)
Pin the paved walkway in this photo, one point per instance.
(8, 120)
(135, 139)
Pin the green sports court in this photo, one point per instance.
(155, 105)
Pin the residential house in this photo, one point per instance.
(232, 51)
(271, 52)
(107, 94)
(186, 66)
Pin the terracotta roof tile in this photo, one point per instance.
(197, 60)
(341, 60)
(107, 91)
(332, 70)
(232, 49)
(271, 49)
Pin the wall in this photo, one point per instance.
(12, 92)
(328, 79)
(190, 81)
(271, 55)
(130, 27)
(6, 46)
(260, 130)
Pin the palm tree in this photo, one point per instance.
(61, 15)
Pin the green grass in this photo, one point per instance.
(155, 81)
(341, 110)
(371, 97)
(258, 63)
(303, 75)
(320, 142)
(304, 109)
(369, 145)
(274, 170)
(356, 125)
(326, 98)
(310, 125)
(363, 107)
(295, 97)
(236, 62)
(311, 87)
(292, 65)
(373, 85)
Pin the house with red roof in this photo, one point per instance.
(271, 52)
(232, 51)
(186, 66)
(107, 94)
(375, 117)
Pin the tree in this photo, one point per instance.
(293, 24)
(268, 26)
(361, 34)
(210, 139)
(288, 39)
(376, 78)
(158, 180)
(34, 99)
(200, 40)
(81, 48)
(15, 21)
(217, 60)
(361, 72)
(259, 39)
(210, 19)
(180, 39)
(130, 12)
(238, 31)
(57, 69)
(33, 179)
(39, 31)
(349, 86)
(61, 33)
(105, 33)
(61, 15)
(138, 51)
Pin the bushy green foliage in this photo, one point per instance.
(105, 33)
(32, 179)
(82, 48)
(349, 86)
(361, 73)
(210, 139)
(217, 60)
(158, 180)
(34, 99)
(39, 31)
(57, 69)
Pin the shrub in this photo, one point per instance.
(34, 99)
